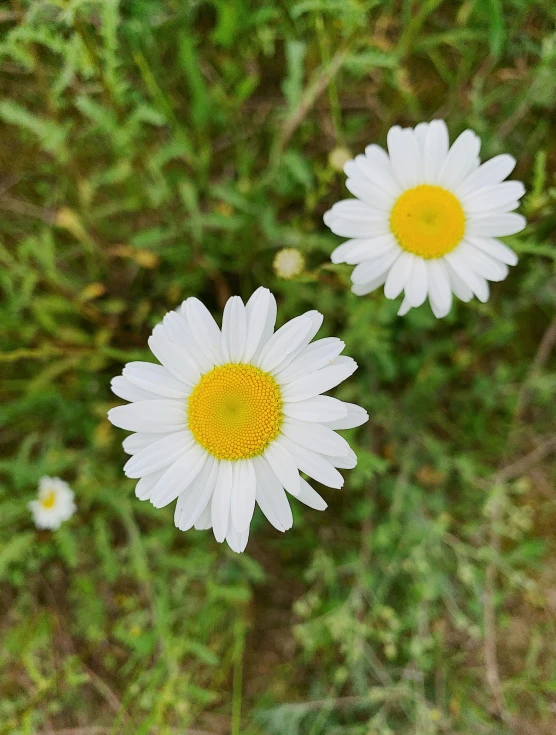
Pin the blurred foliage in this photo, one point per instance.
(154, 150)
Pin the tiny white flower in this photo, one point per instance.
(231, 417)
(54, 503)
(338, 158)
(427, 218)
(288, 263)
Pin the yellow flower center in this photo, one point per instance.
(428, 221)
(235, 411)
(49, 499)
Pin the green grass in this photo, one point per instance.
(154, 150)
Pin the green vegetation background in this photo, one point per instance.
(151, 150)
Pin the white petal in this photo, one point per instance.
(398, 275)
(404, 308)
(204, 329)
(319, 408)
(156, 416)
(356, 211)
(314, 356)
(221, 498)
(404, 156)
(344, 227)
(495, 225)
(347, 461)
(476, 283)
(439, 311)
(371, 269)
(380, 169)
(271, 497)
(489, 173)
(204, 521)
(319, 382)
(283, 467)
(243, 494)
(237, 541)
(495, 249)
(439, 286)
(267, 509)
(345, 360)
(155, 380)
(356, 415)
(145, 486)
(135, 442)
(420, 133)
(352, 218)
(356, 251)
(508, 207)
(159, 454)
(483, 264)
(283, 342)
(234, 329)
(128, 392)
(461, 160)
(313, 464)
(383, 189)
(261, 318)
(314, 436)
(310, 497)
(435, 150)
(179, 332)
(174, 358)
(367, 192)
(416, 286)
(459, 287)
(498, 197)
(352, 228)
(316, 322)
(361, 289)
(195, 499)
(179, 476)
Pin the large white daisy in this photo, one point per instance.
(427, 218)
(231, 417)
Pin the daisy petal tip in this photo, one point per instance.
(404, 308)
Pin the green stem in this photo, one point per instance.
(237, 693)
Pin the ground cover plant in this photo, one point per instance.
(152, 151)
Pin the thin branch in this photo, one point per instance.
(539, 361)
(310, 97)
(523, 464)
(26, 209)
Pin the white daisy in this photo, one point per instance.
(54, 503)
(427, 218)
(288, 263)
(232, 417)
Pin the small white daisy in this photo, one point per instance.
(54, 503)
(233, 416)
(426, 218)
(288, 263)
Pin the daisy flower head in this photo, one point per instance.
(427, 218)
(232, 416)
(288, 263)
(54, 503)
